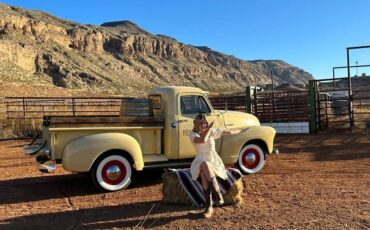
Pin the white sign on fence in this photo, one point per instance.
(289, 127)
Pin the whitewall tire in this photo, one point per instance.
(251, 159)
(112, 173)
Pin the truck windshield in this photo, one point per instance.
(194, 105)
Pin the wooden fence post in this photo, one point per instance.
(2, 113)
(248, 97)
(311, 95)
(255, 101)
(73, 107)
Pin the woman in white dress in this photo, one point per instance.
(207, 163)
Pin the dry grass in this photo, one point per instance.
(21, 128)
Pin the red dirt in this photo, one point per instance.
(317, 182)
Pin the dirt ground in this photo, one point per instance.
(317, 182)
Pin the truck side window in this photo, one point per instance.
(193, 105)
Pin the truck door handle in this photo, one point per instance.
(174, 124)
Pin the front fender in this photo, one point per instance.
(232, 144)
(80, 154)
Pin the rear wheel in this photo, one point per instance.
(111, 173)
(251, 159)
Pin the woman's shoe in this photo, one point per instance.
(208, 213)
(209, 209)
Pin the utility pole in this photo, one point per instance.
(273, 96)
(272, 81)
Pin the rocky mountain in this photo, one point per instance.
(119, 58)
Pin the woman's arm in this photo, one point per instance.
(204, 135)
(233, 131)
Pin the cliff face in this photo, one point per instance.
(119, 58)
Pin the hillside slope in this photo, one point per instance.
(119, 58)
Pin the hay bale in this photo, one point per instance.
(234, 194)
(173, 192)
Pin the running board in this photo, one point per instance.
(167, 165)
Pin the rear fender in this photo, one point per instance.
(80, 154)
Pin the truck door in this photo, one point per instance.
(189, 106)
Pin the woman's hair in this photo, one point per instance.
(200, 116)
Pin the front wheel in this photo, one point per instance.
(251, 159)
(111, 173)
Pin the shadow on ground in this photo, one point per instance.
(121, 216)
(59, 186)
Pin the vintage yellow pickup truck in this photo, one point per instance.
(148, 133)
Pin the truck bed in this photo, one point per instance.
(68, 128)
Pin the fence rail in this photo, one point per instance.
(281, 106)
(235, 103)
(36, 107)
(268, 107)
(23, 115)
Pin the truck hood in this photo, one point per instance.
(237, 120)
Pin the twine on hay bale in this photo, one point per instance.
(173, 193)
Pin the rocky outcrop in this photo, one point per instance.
(119, 58)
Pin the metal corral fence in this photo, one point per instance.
(281, 106)
(37, 107)
(229, 102)
(326, 106)
(335, 107)
(267, 106)
(24, 115)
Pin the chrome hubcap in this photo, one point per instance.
(113, 172)
(250, 158)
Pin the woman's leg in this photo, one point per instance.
(209, 174)
(217, 191)
(211, 179)
(204, 173)
(204, 180)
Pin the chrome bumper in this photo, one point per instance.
(42, 153)
(45, 165)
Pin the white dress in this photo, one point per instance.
(206, 152)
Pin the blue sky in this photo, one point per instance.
(310, 34)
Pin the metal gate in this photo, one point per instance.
(334, 106)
